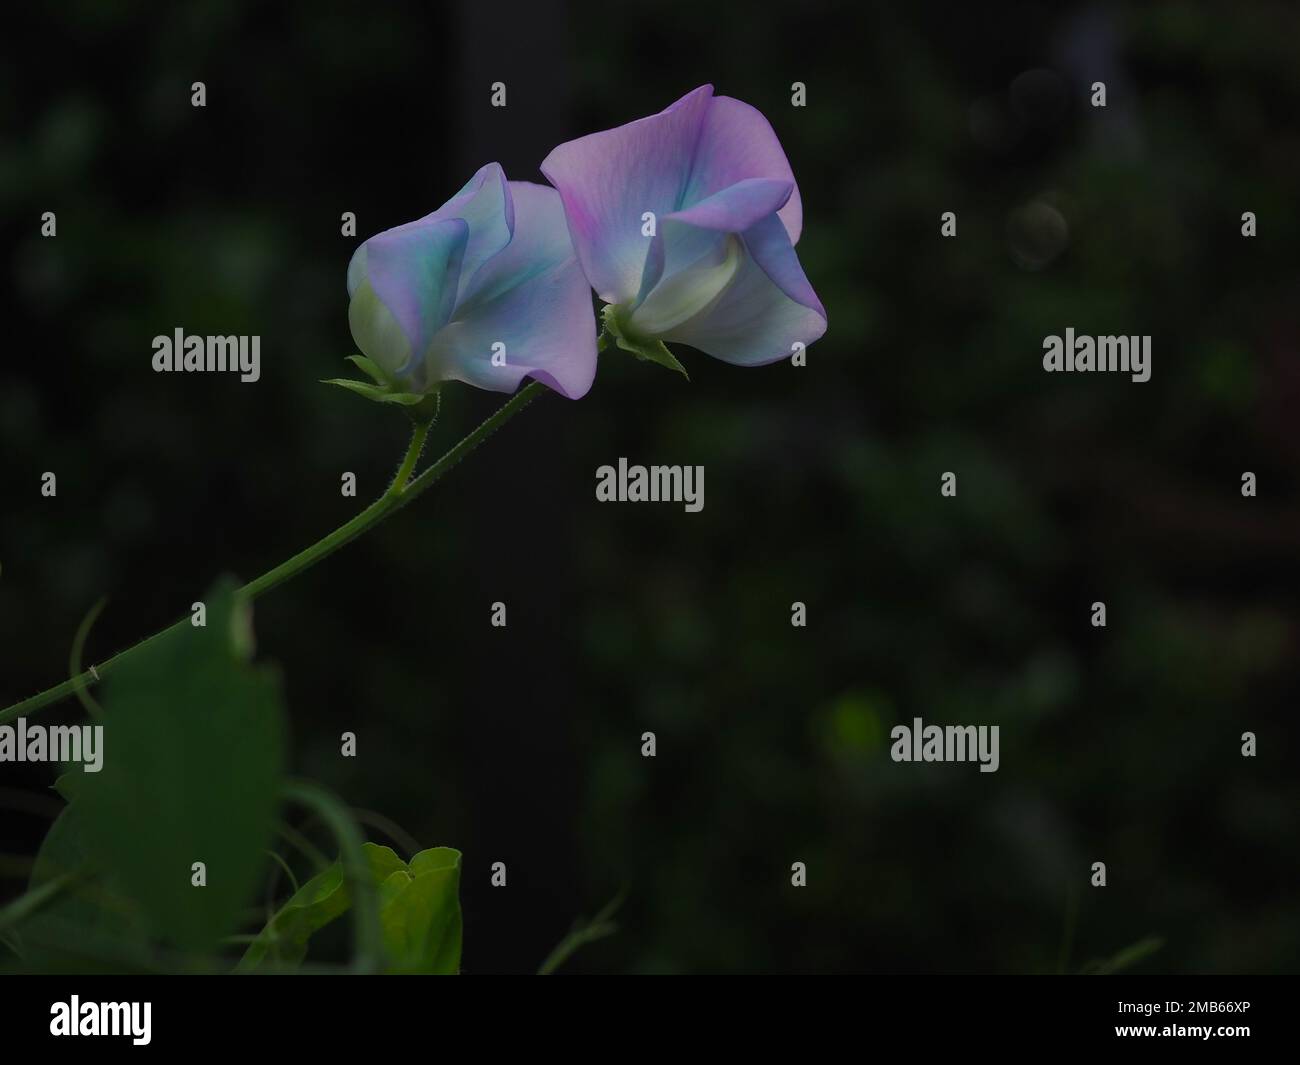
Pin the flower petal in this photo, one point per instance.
(403, 284)
(767, 307)
(485, 205)
(608, 180)
(530, 297)
(694, 237)
(738, 142)
(684, 293)
(374, 328)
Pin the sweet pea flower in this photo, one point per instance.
(484, 290)
(715, 267)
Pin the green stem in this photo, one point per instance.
(295, 838)
(416, 448)
(399, 494)
(370, 954)
(26, 905)
(583, 933)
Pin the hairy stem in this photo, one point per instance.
(403, 489)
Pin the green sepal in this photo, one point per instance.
(644, 348)
(375, 392)
(371, 369)
(422, 406)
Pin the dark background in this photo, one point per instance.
(822, 484)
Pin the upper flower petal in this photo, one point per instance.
(531, 298)
(608, 180)
(486, 206)
(737, 143)
(695, 234)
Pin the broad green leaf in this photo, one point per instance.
(435, 859)
(283, 942)
(69, 784)
(419, 910)
(91, 925)
(383, 861)
(193, 752)
(420, 914)
(325, 897)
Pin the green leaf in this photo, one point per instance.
(420, 914)
(644, 348)
(193, 752)
(69, 784)
(62, 851)
(283, 942)
(383, 861)
(88, 926)
(324, 898)
(435, 859)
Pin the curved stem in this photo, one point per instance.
(369, 956)
(26, 905)
(418, 436)
(399, 494)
